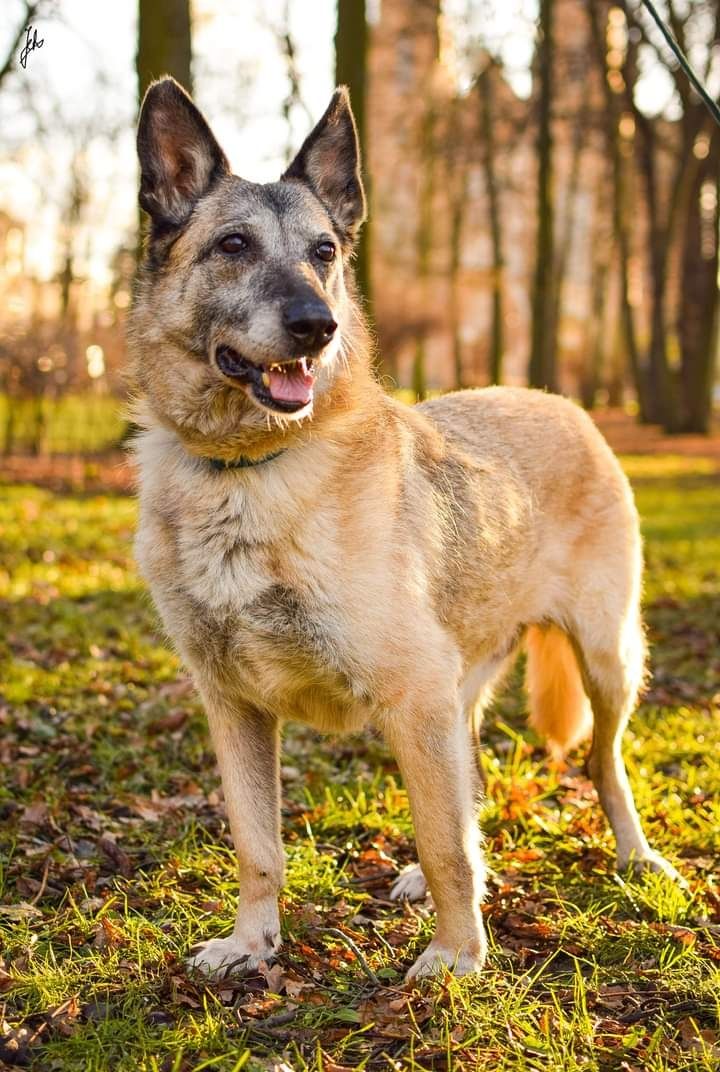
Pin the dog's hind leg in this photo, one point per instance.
(434, 753)
(247, 748)
(612, 675)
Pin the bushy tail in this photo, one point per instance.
(559, 708)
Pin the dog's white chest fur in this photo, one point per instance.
(259, 583)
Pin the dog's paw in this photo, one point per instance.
(219, 957)
(437, 958)
(410, 885)
(653, 861)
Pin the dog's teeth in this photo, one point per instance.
(266, 379)
(303, 365)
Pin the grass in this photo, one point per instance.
(70, 424)
(115, 855)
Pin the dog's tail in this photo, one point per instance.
(559, 708)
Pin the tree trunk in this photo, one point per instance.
(542, 371)
(10, 424)
(698, 314)
(457, 223)
(658, 399)
(592, 373)
(424, 242)
(456, 178)
(163, 42)
(497, 332)
(570, 215)
(163, 47)
(675, 226)
(602, 253)
(351, 52)
(621, 227)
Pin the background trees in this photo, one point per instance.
(543, 195)
(351, 70)
(163, 42)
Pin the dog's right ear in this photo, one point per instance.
(179, 156)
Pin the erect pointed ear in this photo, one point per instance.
(179, 157)
(329, 163)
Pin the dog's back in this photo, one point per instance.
(548, 442)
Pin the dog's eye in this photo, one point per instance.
(325, 251)
(233, 244)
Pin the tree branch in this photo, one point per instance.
(673, 69)
(31, 9)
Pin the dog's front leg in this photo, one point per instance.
(247, 748)
(435, 755)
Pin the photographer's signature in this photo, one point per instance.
(31, 43)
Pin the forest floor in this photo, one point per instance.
(115, 855)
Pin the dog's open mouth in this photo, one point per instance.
(284, 386)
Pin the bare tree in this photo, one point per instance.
(486, 89)
(424, 240)
(570, 220)
(32, 10)
(542, 372)
(598, 14)
(698, 310)
(678, 160)
(294, 96)
(164, 47)
(164, 43)
(351, 70)
(603, 253)
(456, 177)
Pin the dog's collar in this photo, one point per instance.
(244, 463)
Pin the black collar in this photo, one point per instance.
(244, 463)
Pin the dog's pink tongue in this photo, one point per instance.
(295, 385)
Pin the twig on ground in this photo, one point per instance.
(43, 880)
(335, 933)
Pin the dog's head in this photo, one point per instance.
(242, 323)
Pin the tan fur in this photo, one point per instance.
(381, 572)
(559, 708)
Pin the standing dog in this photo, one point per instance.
(320, 552)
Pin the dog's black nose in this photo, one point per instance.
(310, 322)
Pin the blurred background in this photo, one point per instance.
(543, 190)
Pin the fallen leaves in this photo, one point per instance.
(112, 818)
(21, 910)
(698, 1039)
(396, 1016)
(117, 856)
(16, 1041)
(35, 814)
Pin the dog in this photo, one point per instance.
(320, 552)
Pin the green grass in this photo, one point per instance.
(71, 424)
(115, 854)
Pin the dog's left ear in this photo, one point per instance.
(329, 163)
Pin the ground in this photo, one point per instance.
(115, 855)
